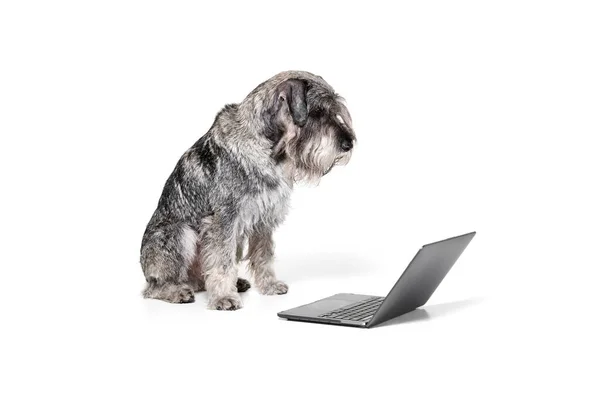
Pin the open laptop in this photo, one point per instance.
(416, 285)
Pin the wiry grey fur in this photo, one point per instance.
(233, 186)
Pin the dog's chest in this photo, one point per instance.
(267, 206)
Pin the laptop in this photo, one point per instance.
(416, 285)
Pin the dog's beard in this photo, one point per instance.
(341, 160)
(315, 158)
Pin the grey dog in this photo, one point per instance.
(233, 187)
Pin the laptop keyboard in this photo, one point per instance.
(359, 311)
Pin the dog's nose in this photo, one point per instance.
(347, 145)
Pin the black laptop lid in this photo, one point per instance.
(422, 276)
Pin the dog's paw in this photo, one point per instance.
(179, 294)
(228, 302)
(172, 293)
(277, 287)
(185, 295)
(242, 285)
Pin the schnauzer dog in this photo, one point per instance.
(233, 187)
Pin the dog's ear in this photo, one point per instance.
(293, 92)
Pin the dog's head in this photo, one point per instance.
(310, 127)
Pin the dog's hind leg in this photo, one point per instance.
(242, 285)
(166, 256)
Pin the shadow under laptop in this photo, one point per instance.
(432, 311)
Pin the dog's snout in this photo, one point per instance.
(347, 145)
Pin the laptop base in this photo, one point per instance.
(312, 312)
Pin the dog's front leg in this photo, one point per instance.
(218, 252)
(260, 256)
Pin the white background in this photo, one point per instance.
(469, 116)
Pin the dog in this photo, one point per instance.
(233, 186)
